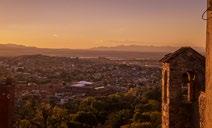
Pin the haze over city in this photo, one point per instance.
(81, 24)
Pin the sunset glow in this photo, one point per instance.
(90, 23)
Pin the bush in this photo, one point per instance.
(141, 125)
(87, 118)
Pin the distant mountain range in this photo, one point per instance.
(139, 48)
(122, 51)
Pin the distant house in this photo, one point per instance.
(183, 78)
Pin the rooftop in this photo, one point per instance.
(167, 58)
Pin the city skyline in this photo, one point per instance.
(86, 24)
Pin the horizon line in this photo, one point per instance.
(101, 46)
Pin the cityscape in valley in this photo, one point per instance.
(84, 92)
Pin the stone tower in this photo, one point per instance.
(208, 112)
(6, 103)
(182, 80)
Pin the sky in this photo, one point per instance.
(81, 24)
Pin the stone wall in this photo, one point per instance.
(202, 106)
(165, 96)
(208, 114)
(184, 114)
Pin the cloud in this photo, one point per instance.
(55, 35)
(116, 42)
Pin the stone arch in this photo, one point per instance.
(189, 86)
(165, 87)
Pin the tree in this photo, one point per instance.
(72, 106)
(43, 112)
(59, 118)
(23, 124)
(87, 118)
(119, 118)
(141, 125)
(87, 104)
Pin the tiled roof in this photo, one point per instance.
(180, 51)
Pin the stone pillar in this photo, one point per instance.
(165, 96)
(6, 106)
(208, 112)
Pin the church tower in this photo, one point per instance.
(182, 81)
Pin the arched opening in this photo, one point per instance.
(165, 87)
(188, 86)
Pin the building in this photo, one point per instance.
(183, 76)
(6, 104)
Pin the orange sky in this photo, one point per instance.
(91, 23)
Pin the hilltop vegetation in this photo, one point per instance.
(137, 108)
